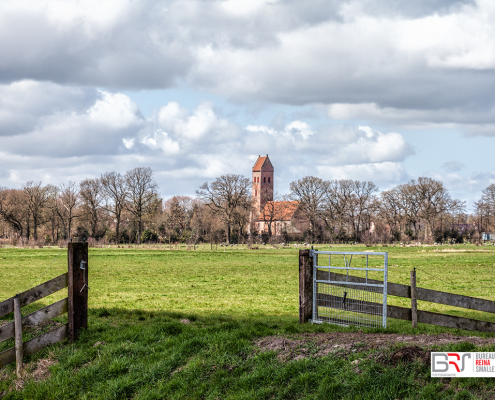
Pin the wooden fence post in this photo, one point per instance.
(78, 288)
(18, 334)
(305, 286)
(414, 302)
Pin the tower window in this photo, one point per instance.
(258, 179)
(264, 179)
(268, 179)
(255, 193)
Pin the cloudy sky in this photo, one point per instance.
(362, 89)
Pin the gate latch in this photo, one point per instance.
(82, 266)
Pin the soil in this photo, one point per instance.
(412, 347)
(37, 371)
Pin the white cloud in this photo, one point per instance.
(161, 140)
(190, 145)
(116, 111)
(374, 63)
(374, 147)
(128, 143)
(41, 118)
(296, 130)
(424, 55)
(458, 40)
(23, 102)
(261, 128)
(385, 173)
(202, 124)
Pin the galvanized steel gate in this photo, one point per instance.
(337, 300)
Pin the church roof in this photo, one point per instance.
(278, 210)
(263, 162)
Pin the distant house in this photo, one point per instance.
(280, 217)
(488, 236)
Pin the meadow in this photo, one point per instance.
(137, 347)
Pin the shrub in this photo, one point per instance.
(149, 236)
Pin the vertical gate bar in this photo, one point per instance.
(385, 280)
(329, 264)
(18, 334)
(366, 269)
(315, 285)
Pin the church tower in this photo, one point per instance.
(262, 184)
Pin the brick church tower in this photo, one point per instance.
(262, 184)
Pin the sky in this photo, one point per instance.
(358, 89)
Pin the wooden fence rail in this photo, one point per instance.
(395, 289)
(76, 305)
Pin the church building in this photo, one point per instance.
(268, 216)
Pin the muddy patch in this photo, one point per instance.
(403, 355)
(35, 371)
(412, 347)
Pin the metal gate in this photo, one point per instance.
(339, 300)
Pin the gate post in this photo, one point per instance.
(78, 288)
(305, 286)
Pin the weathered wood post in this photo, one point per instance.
(414, 302)
(305, 286)
(78, 288)
(19, 351)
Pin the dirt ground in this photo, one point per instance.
(36, 371)
(412, 347)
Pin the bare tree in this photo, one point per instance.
(179, 211)
(115, 191)
(311, 192)
(481, 216)
(141, 191)
(14, 210)
(364, 201)
(422, 203)
(225, 196)
(91, 192)
(38, 197)
(390, 209)
(488, 200)
(434, 200)
(205, 223)
(68, 201)
(411, 204)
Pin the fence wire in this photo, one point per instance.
(338, 298)
(349, 305)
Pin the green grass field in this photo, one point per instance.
(232, 297)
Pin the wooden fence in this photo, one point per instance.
(395, 289)
(75, 304)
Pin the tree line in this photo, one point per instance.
(126, 208)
